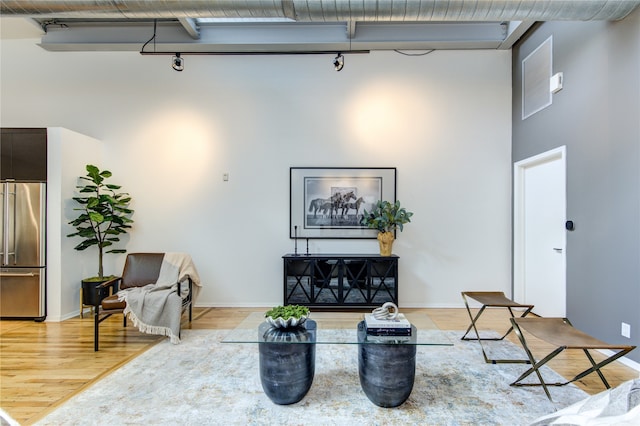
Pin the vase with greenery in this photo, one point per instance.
(386, 217)
(287, 316)
(104, 215)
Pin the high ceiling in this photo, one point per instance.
(281, 26)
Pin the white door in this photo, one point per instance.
(539, 233)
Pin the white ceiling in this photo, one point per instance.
(310, 25)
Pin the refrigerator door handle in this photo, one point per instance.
(5, 224)
(13, 215)
(16, 274)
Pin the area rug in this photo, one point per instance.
(204, 382)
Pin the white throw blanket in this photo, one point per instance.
(157, 308)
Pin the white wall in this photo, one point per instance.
(67, 154)
(444, 120)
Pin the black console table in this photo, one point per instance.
(340, 280)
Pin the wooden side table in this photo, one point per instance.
(83, 306)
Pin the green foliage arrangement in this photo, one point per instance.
(105, 214)
(288, 311)
(386, 216)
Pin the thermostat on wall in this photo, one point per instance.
(555, 83)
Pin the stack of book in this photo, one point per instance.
(387, 327)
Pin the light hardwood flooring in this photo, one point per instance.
(44, 364)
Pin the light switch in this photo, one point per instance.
(625, 330)
(225, 177)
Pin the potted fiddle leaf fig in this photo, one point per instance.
(104, 216)
(386, 217)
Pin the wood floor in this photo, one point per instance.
(44, 364)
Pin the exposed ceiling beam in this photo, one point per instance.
(515, 30)
(351, 30)
(191, 27)
(275, 37)
(337, 25)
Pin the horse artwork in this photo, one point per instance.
(334, 210)
(344, 200)
(329, 202)
(324, 204)
(338, 203)
(326, 208)
(318, 204)
(353, 206)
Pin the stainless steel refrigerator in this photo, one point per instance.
(22, 236)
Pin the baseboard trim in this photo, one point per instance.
(624, 360)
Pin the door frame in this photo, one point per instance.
(519, 169)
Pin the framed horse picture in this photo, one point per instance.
(329, 202)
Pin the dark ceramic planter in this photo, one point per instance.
(287, 367)
(387, 372)
(92, 294)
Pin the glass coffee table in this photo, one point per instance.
(386, 364)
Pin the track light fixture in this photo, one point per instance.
(338, 62)
(177, 63)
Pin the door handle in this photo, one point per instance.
(16, 274)
(5, 225)
(557, 250)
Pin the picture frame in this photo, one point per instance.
(328, 202)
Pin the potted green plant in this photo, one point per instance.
(104, 216)
(287, 316)
(386, 217)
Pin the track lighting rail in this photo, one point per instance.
(257, 53)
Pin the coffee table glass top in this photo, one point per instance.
(335, 328)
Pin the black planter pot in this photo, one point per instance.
(287, 368)
(387, 372)
(92, 294)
